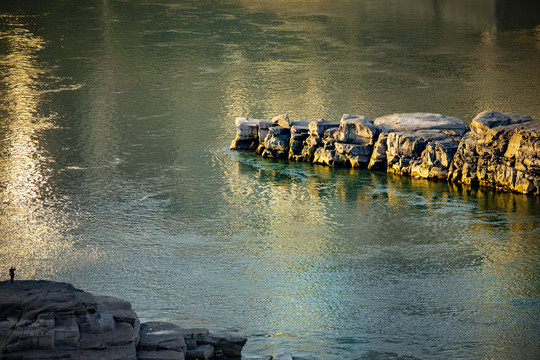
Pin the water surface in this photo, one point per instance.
(115, 173)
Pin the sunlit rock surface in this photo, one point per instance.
(50, 320)
(500, 150)
(421, 122)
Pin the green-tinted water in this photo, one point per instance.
(115, 118)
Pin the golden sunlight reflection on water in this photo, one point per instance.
(34, 233)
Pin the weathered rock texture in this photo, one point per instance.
(500, 150)
(46, 320)
(49, 320)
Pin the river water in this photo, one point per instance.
(115, 173)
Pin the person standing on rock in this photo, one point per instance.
(12, 274)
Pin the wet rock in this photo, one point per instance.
(201, 352)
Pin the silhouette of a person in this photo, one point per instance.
(12, 274)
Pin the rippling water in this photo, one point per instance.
(115, 119)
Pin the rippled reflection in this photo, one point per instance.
(26, 227)
(115, 173)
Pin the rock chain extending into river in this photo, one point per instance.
(498, 150)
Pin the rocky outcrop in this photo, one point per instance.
(419, 144)
(502, 150)
(46, 320)
(50, 320)
(499, 150)
(163, 340)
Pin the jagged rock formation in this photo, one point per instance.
(43, 320)
(500, 150)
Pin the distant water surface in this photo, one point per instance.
(115, 173)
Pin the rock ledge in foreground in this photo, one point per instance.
(44, 320)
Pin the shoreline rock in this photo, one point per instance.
(44, 320)
(499, 150)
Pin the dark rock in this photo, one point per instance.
(202, 352)
(163, 338)
(49, 320)
(228, 344)
(487, 120)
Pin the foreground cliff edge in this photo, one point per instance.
(50, 320)
(498, 150)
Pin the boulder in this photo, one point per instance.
(249, 133)
(282, 121)
(502, 150)
(487, 120)
(355, 138)
(317, 128)
(277, 142)
(228, 345)
(299, 134)
(201, 352)
(161, 340)
(417, 144)
(50, 320)
(356, 155)
(354, 129)
(420, 154)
